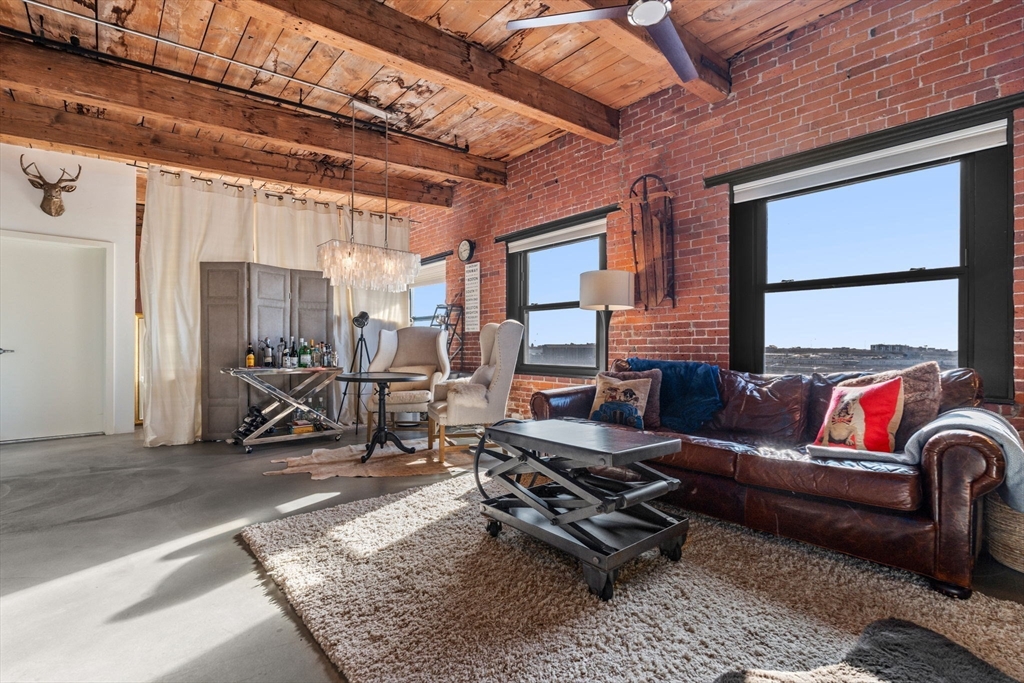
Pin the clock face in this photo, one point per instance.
(465, 250)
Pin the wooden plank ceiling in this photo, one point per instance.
(447, 70)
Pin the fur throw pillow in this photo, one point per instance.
(652, 412)
(469, 395)
(922, 393)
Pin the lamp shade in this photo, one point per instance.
(606, 290)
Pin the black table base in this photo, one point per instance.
(381, 434)
(602, 522)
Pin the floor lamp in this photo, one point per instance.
(606, 291)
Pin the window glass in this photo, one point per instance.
(423, 301)
(876, 328)
(554, 273)
(561, 337)
(890, 224)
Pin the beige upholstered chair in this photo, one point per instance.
(421, 350)
(482, 398)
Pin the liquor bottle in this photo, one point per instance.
(293, 357)
(250, 357)
(279, 353)
(268, 354)
(315, 354)
(305, 358)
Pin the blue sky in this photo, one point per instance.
(909, 220)
(891, 224)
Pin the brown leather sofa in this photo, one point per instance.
(747, 465)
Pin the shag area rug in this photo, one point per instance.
(410, 587)
(325, 463)
(890, 651)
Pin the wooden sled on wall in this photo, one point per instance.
(653, 235)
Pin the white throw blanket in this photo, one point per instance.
(994, 426)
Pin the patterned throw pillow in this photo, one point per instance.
(620, 401)
(922, 394)
(863, 418)
(652, 413)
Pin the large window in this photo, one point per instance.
(903, 227)
(543, 293)
(427, 293)
(878, 272)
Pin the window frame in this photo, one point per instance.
(517, 275)
(984, 275)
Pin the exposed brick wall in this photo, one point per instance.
(876, 64)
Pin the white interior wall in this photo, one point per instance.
(103, 209)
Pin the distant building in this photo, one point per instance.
(562, 354)
(877, 358)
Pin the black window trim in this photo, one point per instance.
(517, 309)
(984, 275)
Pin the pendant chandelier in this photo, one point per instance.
(366, 266)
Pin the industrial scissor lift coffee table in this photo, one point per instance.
(603, 522)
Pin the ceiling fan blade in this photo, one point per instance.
(667, 38)
(569, 18)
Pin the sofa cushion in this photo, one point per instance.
(652, 411)
(886, 485)
(820, 394)
(427, 370)
(921, 396)
(704, 455)
(772, 408)
(961, 388)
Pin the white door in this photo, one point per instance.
(52, 316)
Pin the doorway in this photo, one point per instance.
(54, 322)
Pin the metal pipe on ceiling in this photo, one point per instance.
(365, 107)
(104, 56)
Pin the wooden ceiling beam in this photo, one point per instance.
(45, 71)
(377, 32)
(710, 86)
(28, 122)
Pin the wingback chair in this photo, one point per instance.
(482, 398)
(421, 350)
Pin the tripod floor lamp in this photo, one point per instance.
(606, 291)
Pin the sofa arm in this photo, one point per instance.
(568, 402)
(958, 467)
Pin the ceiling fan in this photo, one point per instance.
(650, 14)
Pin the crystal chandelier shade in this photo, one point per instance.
(364, 266)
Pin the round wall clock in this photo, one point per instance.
(466, 249)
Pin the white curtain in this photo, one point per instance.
(187, 221)
(387, 310)
(288, 230)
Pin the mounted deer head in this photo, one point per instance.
(52, 203)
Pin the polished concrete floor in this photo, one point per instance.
(120, 563)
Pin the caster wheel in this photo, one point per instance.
(494, 528)
(673, 550)
(338, 437)
(364, 458)
(607, 591)
(248, 449)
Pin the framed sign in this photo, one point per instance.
(473, 297)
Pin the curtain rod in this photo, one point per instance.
(281, 196)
